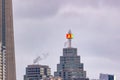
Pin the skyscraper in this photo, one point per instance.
(70, 67)
(7, 54)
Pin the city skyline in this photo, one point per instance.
(40, 28)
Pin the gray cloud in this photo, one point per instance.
(41, 25)
(36, 9)
(47, 8)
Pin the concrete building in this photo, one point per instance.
(53, 78)
(56, 78)
(70, 66)
(7, 54)
(37, 72)
(106, 77)
(80, 79)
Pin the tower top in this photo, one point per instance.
(69, 31)
(69, 36)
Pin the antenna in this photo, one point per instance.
(69, 36)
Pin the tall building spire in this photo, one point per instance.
(69, 36)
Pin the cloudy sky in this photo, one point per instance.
(40, 27)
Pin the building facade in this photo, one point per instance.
(7, 54)
(70, 66)
(37, 72)
(53, 78)
(106, 77)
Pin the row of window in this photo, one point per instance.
(3, 22)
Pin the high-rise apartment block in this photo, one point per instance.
(7, 54)
(70, 66)
(37, 72)
(106, 77)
